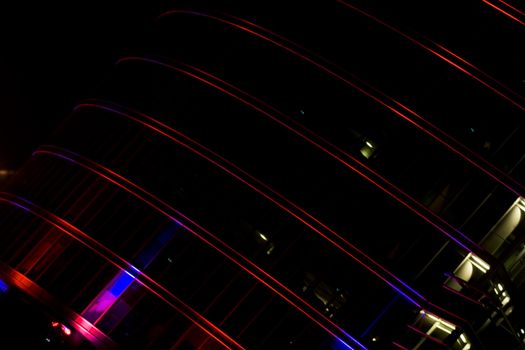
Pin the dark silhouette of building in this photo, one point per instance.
(253, 176)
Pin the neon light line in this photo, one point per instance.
(418, 43)
(512, 7)
(399, 346)
(504, 12)
(326, 148)
(251, 177)
(236, 307)
(106, 298)
(119, 262)
(478, 70)
(96, 337)
(427, 336)
(375, 98)
(202, 234)
(471, 75)
(453, 291)
(322, 148)
(199, 149)
(455, 65)
(326, 61)
(458, 143)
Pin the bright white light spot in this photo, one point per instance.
(478, 262)
(66, 330)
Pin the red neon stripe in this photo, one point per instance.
(119, 262)
(212, 240)
(376, 99)
(512, 7)
(504, 12)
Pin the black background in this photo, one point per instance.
(55, 53)
(52, 54)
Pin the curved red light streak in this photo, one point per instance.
(122, 264)
(332, 154)
(506, 13)
(427, 48)
(497, 91)
(198, 231)
(399, 346)
(384, 104)
(200, 150)
(478, 70)
(332, 150)
(377, 99)
(512, 7)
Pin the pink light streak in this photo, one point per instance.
(336, 240)
(469, 245)
(120, 263)
(202, 234)
(458, 148)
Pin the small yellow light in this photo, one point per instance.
(264, 238)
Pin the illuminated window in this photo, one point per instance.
(440, 329)
(368, 149)
(505, 239)
(496, 240)
(471, 268)
(501, 294)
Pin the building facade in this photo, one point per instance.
(309, 179)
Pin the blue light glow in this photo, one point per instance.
(4, 287)
(121, 283)
(123, 279)
(154, 248)
(338, 344)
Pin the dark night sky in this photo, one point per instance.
(54, 54)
